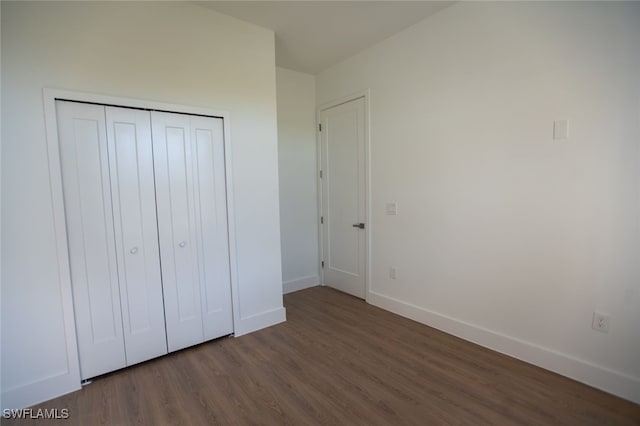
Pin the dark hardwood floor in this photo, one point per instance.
(339, 361)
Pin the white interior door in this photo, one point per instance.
(176, 227)
(207, 152)
(192, 220)
(343, 196)
(94, 275)
(145, 199)
(136, 232)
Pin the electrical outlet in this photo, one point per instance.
(393, 272)
(600, 322)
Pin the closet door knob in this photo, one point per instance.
(182, 244)
(133, 250)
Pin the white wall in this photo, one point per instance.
(177, 53)
(298, 183)
(505, 236)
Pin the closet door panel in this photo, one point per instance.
(134, 205)
(85, 176)
(173, 169)
(207, 140)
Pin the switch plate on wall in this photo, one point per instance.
(393, 272)
(561, 129)
(392, 209)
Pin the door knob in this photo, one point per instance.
(358, 225)
(133, 250)
(182, 244)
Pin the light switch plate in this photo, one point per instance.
(561, 129)
(393, 272)
(392, 209)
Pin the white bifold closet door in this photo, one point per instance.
(136, 233)
(145, 205)
(90, 233)
(109, 192)
(192, 223)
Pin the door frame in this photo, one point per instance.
(50, 96)
(364, 94)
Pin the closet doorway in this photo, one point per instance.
(146, 223)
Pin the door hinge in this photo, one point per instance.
(321, 219)
(319, 127)
(322, 263)
(320, 174)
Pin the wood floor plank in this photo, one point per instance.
(339, 361)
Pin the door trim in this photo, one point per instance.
(55, 178)
(365, 94)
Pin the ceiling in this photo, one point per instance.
(313, 35)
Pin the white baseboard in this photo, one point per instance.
(40, 391)
(259, 321)
(614, 382)
(300, 283)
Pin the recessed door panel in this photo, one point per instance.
(176, 223)
(207, 140)
(87, 198)
(134, 205)
(343, 196)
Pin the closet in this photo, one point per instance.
(145, 206)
